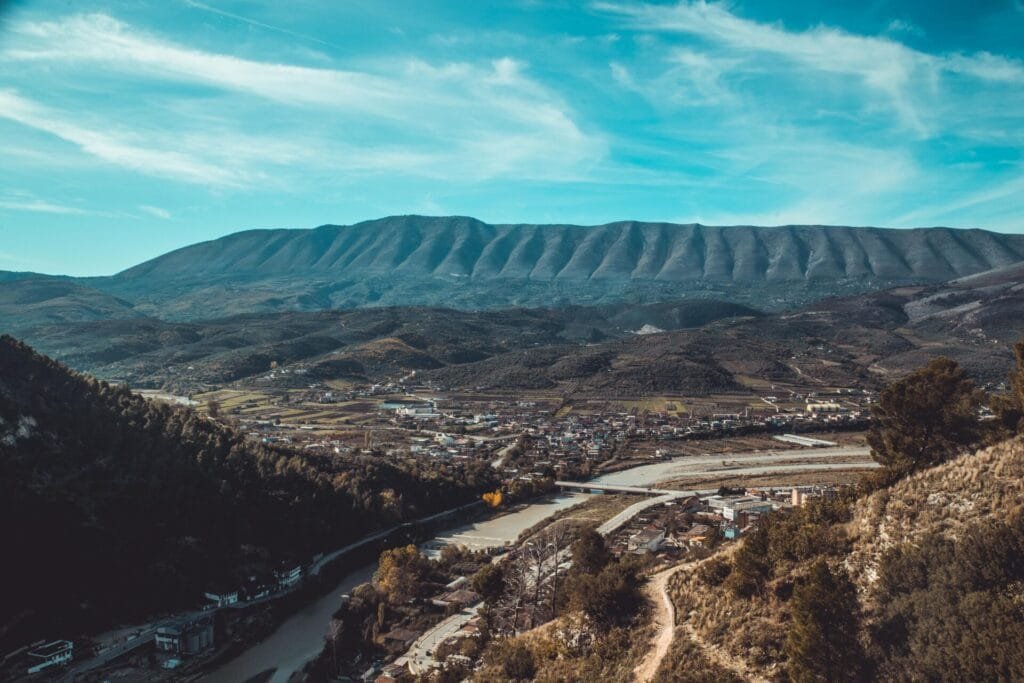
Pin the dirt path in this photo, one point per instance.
(664, 621)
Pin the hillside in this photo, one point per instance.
(948, 503)
(28, 301)
(359, 345)
(936, 581)
(117, 508)
(688, 346)
(467, 264)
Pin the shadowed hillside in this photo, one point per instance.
(116, 508)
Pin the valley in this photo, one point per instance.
(454, 428)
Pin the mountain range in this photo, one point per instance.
(840, 305)
(463, 263)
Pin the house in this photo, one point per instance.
(457, 598)
(286, 578)
(393, 673)
(185, 637)
(222, 599)
(56, 653)
(696, 535)
(400, 638)
(646, 541)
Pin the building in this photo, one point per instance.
(748, 504)
(823, 407)
(57, 653)
(185, 637)
(400, 638)
(461, 597)
(286, 578)
(646, 541)
(798, 498)
(698, 534)
(222, 599)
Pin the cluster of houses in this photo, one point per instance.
(37, 657)
(256, 587)
(694, 522)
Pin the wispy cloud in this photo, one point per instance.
(155, 211)
(112, 148)
(40, 206)
(406, 115)
(890, 69)
(252, 22)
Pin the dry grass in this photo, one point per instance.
(750, 633)
(941, 500)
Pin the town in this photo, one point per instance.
(530, 441)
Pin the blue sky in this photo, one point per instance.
(128, 129)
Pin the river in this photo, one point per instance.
(300, 637)
(749, 463)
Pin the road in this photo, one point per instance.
(420, 656)
(502, 453)
(636, 508)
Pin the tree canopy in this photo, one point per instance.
(925, 419)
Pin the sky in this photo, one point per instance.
(131, 128)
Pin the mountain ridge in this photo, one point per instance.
(479, 249)
(464, 263)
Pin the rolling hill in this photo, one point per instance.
(688, 346)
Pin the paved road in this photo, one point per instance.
(420, 656)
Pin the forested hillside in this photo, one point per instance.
(113, 508)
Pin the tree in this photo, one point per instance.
(518, 662)
(400, 572)
(751, 566)
(589, 554)
(1010, 407)
(609, 598)
(925, 419)
(489, 582)
(822, 641)
(213, 408)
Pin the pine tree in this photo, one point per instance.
(1010, 408)
(822, 641)
(589, 554)
(925, 419)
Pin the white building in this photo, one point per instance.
(646, 541)
(222, 599)
(732, 509)
(57, 653)
(289, 577)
